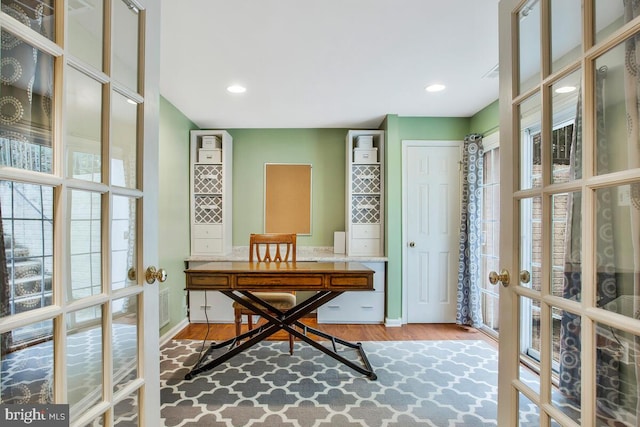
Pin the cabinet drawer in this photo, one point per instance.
(210, 305)
(365, 247)
(366, 231)
(213, 231)
(207, 246)
(354, 307)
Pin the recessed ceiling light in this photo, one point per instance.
(435, 88)
(237, 89)
(565, 89)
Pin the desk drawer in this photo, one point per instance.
(350, 282)
(209, 281)
(356, 307)
(295, 282)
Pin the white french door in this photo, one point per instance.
(570, 213)
(78, 198)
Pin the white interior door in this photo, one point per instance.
(78, 145)
(570, 213)
(432, 207)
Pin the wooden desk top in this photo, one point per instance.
(275, 276)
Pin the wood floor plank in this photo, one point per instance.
(350, 332)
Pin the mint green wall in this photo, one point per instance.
(173, 206)
(397, 130)
(324, 149)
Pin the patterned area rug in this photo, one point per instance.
(420, 383)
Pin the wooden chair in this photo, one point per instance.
(269, 248)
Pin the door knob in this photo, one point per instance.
(151, 275)
(412, 244)
(503, 277)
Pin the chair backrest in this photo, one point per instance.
(270, 247)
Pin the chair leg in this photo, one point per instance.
(238, 321)
(291, 344)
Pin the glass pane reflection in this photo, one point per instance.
(530, 143)
(26, 99)
(123, 242)
(531, 336)
(85, 244)
(26, 246)
(39, 15)
(125, 44)
(26, 370)
(84, 358)
(124, 142)
(125, 412)
(566, 136)
(125, 341)
(566, 34)
(609, 16)
(84, 36)
(617, 370)
(528, 412)
(84, 126)
(616, 108)
(531, 241)
(566, 361)
(529, 48)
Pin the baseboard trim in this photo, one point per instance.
(393, 323)
(166, 337)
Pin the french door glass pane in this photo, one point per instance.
(39, 15)
(125, 43)
(85, 244)
(565, 104)
(531, 241)
(123, 141)
(26, 99)
(530, 315)
(528, 412)
(566, 34)
(26, 365)
(609, 16)
(123, 242)
(125, 340)
(27, 237)
(617, 116)
(85, 30)
(125, 412)
(490, 237)
(565, 356)
(617, 374)
(84, 359)
(84, 126)
(530, 143)
(617, 248)
(560, 267)
(529, 58)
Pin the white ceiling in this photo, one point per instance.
(328, 63)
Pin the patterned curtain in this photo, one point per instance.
(632, 90)
(469, 312)
(607, 355)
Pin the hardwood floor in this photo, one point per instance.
(354, 333)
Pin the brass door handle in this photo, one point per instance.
(152, 274)
(503, 277)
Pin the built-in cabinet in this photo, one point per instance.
(364, 222)
(358, 307)
(211, 192)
